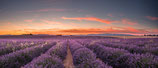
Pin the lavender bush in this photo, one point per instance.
(82, 55)
(132, 48)
(21, 57)
(137, 61)
(45, 61)
(74, 46)
(9, 49)
(60, 49)
(93, 64)
(107, 54)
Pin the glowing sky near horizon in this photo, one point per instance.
(78, 17)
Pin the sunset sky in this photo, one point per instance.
(74, 17)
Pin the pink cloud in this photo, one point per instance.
(50, 22)
(131, 29)
(90, 19)
(29, 20)
(124, 20)
(9, 23)
(129, 22)
(152, 18)
(154, 30)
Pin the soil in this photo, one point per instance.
(68, 62)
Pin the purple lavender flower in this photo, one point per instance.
(83, 54)
(45, 61)
(21, 57)
(60, 49)
(74, 46)
(137, 61)
(93, 64)
(107, 54)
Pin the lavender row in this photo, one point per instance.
(19, 42)
(85, 58)
(45, 61)
(9, 49)
(21, 57)
(60, 49)
(74, 45)
(119, 58)
(84, 42)
(141, 42)
(51, 59)
(117, 43)
(137, 42)
(132, 48)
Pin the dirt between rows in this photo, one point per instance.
(68, 62)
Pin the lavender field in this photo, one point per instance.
(77, 52)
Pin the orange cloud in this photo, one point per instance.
(129, 22)
(90, 19)
(80, 31)
(152, 18)
(11, 32)
(128, 30)
(29, 20)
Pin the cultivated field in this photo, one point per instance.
(78, 52)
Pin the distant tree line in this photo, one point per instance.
(27, 34)
(42, 34)
(150, 35)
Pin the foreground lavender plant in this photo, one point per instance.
(137, 61)
(119, 58)
(107, 54)
(9, 49)
(83, 54)
(45, 61)
(85, 58)
(134, 47)
(21, 57)
(74, 46)
(60, 49)
(93, 64)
